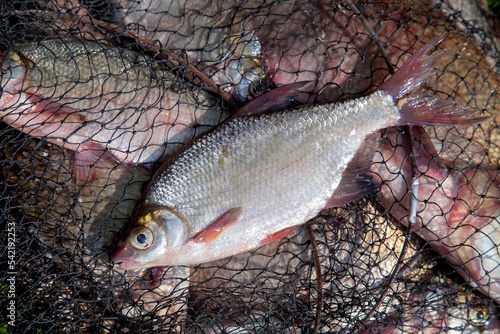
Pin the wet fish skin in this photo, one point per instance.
(458, 210)
(100, 101)
(189, 196)
(255, 176)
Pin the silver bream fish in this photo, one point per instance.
(100, 101)
(257, 177)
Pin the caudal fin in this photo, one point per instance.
(424, 109)
(414, 72)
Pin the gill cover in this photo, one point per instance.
(159, 232)
(175, 228)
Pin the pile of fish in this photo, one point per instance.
(251, 166)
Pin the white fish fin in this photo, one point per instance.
(414, 71)
(274, 100)
(423, 109)
(351, 188)
(426, 110)
(215, 228)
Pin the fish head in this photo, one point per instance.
(150, 239)
(468, 312)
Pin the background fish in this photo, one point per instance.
(215, 35)
(438, 307)
(253, 178)
(92, 215)
(101, 102)
(457, 210)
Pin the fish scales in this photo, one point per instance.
(257, 177)
(258, 161)
(87, 66)
(101, 101)
(233, 164)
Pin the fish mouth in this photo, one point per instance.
(123, 261)
(126, 264)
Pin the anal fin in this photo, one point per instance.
(355, 183)
(215, 228)
(351, 189)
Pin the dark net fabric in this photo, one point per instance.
(96, 94)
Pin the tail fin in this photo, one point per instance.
(414, 72)
(424, 109)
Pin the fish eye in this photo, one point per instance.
(480, 317)
(142, 238)
(256, 89)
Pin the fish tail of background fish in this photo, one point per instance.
(423, 109)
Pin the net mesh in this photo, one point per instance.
(120, 85)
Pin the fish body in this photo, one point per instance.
(255, 178)
(99, 100)
(213, 34)
(259, 163)
(312, 41)
(458, 210)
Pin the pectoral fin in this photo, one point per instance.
(215, 228)
(86, 157)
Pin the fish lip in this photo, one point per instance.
(126, 264)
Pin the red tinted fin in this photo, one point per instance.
(426, 110)
(280, 234)
(355, 183)
(87, 156)
(274, 100)
(351, 188)
(423, 109)
(211, 232)
(414, 71)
